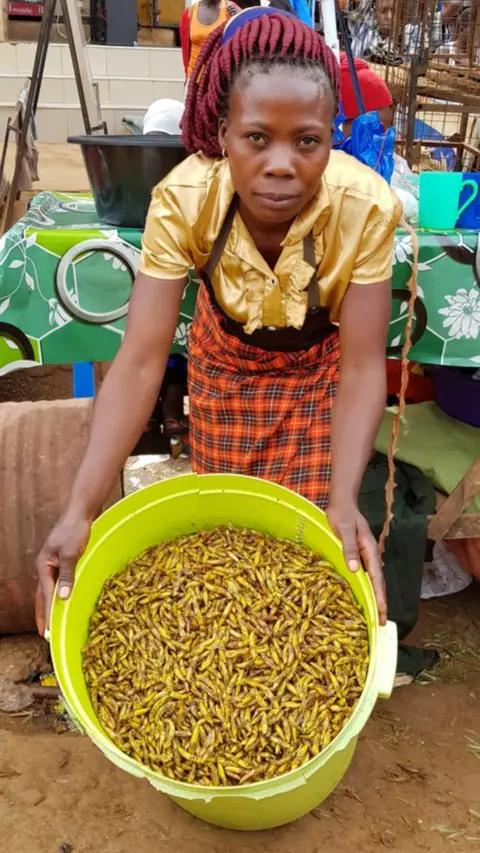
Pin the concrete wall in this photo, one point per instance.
(129, 79)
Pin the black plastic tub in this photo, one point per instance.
(123, 170)
(458, 394)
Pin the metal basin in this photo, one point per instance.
(123, 170)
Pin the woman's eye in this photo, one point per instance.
(256, 138)
(308, 142)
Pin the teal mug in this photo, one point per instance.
(440, 198)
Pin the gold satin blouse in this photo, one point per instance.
(353, 215)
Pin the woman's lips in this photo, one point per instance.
(277, 200)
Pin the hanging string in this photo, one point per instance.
(390, 486)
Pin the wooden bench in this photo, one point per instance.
(450, 521)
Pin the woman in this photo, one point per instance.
(290, 239)
(197, 23)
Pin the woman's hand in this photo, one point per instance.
(359, 544)
(57, 561)
(122, 408)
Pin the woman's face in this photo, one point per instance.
(278, 137)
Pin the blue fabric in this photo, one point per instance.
(83, 380)
(302, 11)
(369, 142)
(247, 15)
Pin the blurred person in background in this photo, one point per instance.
(197, 23)
(376, 98)
(369, 24)
(375, 93)
(163, 118)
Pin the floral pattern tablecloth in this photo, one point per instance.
(65, 282)
(447, 327)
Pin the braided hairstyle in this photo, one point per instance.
(261, 46)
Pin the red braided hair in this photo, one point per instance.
(269, 38)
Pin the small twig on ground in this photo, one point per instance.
(455, 834)
(473, 746)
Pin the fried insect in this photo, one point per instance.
(225, 657)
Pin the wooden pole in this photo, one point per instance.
(86, 89)
(3, 20)
(32, 99)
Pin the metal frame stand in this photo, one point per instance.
(87, 89)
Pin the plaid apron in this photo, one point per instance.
(259, 412)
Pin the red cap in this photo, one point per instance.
(375, 92)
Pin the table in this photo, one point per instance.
(65, 282)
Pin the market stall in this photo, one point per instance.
(65, 281)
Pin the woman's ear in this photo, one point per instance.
(222, 131)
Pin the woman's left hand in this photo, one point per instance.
(358, 542)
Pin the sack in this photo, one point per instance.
(444, 575)
(369, 142)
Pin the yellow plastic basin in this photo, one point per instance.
(184, 505)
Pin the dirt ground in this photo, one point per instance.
(414, 784)
(60, 167)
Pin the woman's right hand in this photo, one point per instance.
(57, 562)
(122, 408)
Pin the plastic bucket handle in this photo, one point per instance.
(387, 649)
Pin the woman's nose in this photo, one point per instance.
(280, 162)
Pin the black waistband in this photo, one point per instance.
(316, 328)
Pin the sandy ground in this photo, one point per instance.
(60, 167)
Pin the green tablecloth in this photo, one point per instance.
(65, 282)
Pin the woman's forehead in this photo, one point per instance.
(292, 96)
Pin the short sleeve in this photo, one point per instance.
(167, 238)
(375, 255)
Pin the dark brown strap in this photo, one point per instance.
(219, 246)
(221, 240)
(309, 258)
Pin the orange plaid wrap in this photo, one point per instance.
(260, 413)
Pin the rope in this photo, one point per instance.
(390, 486)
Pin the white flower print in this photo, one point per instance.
(181, 334)
(130, 253)
(402, 250)
(57, 316)
(462, 317)
(116, 262)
